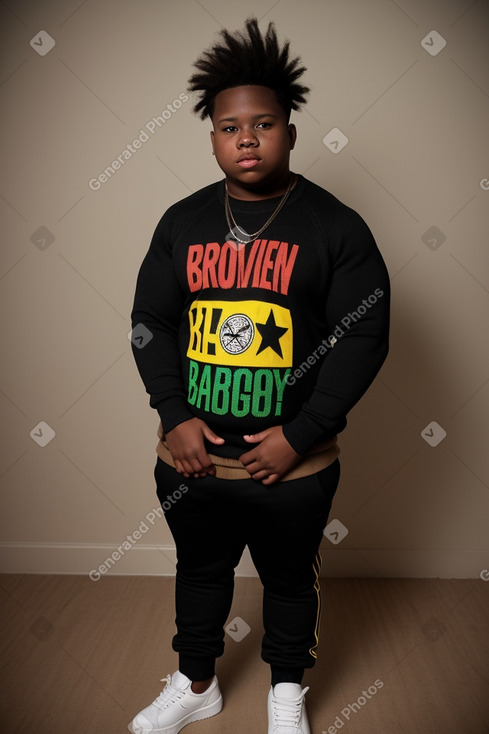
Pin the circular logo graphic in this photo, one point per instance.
(236, 333)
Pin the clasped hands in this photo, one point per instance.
(271, 457)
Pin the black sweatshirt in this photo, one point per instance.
(288, 330)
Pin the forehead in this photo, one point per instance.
(246, 100)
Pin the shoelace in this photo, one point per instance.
(287, 712)
(168, 694)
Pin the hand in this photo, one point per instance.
(186, 445)
(272, 458)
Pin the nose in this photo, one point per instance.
(247, 139)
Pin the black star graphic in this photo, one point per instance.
(270, 335)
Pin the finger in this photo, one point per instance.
(192, 466)
(206, 471)
(179, 468)
(251, 462)
(211, 436)
(246, 459)
(251, 456)
(264, 477)
(271, 479)
(255, 437)
(206, 464)
(257, 472)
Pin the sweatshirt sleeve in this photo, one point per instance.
(357, 312)
(158, 306)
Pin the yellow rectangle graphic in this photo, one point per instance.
(240, 333)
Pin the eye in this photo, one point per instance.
(229, 129)
(264, 125)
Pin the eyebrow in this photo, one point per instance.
(255, 117)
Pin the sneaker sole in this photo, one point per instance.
(204, 713)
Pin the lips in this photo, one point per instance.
(248, 162)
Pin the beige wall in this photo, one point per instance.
(416, 158)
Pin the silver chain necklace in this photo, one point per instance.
(231, 220)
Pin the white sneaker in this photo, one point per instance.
(287, 710)
(176, 706)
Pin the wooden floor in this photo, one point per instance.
(82, 657)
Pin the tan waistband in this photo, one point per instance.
(320, 457)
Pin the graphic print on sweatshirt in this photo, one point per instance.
(239, 351)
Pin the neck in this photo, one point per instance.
(264, 191)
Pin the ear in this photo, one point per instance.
(291, 129)
(212, 141)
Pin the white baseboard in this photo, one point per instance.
(160, 560)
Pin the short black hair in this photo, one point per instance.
(253, 59)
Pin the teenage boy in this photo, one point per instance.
(268, 305)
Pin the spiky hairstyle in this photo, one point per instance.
(248, 59)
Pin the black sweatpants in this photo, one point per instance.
(282, 524)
